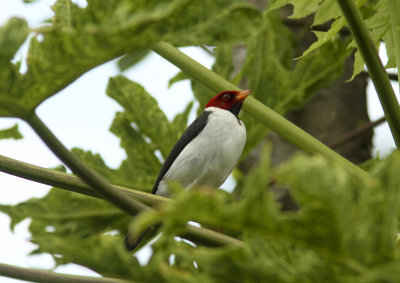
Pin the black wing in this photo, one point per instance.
(191, 132)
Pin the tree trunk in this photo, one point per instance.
(333, 112)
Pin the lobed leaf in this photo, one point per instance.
(78, 39)
(376, 15)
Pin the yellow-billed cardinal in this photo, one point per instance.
(208, 150)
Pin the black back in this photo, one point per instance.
(190, 133)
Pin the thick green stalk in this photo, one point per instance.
(261, 112)
(376, 70)
(68, 181)
(72, 183)
(37, 275)
(394, 8)
(89, 176)
(209, 237)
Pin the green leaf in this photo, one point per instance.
(131, 59)
(324, 37)
(276, 81)
(143, 110)
(67, 213)
(180, 76)
(79, 39)
(328, 9)
(302, 8)
(143, 129)
(140, 169)
(180, 121)
(104, 254)
(231, 24)
(11, 133)
(379, 211)
(12, 35)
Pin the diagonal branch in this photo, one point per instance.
(253, 107)
(394, 8)
(89, 176)
(72, 183)
(68, 181)
(376, 70)
(356, 132)
(37, 275)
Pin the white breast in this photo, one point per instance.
(210, 157)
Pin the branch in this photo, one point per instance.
(89, 176)
(253, 107)
(392, 76)
(209, 237)
(356, 132)
(72, 183)
(394, 8)
(68, 181)
(37, 275)
(376, 70)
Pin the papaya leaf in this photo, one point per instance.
(375, 13)
(142, 109)
(12, 35)
(79, 39)
(104, 254)
(301, 9)
(62, 213)
(180, 76)
(11, 133)
(269, 70)
(131, 59)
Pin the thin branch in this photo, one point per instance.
(392, 77)
(207, 49)
(68, 181)
(72, 183)
(376, 70)
(356, 132)
(37, 275)
(209, 237)
(253, 107)
(98, 183)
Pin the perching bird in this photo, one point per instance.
(208, 150)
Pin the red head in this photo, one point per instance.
(230, 100)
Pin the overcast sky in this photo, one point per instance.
(80, 116)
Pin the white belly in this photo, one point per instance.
(210, 157)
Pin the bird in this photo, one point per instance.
(207, 151)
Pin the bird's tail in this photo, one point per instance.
(135, 242)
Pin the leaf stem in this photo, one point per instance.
(73, 183)
(89, 176)
(37, 275)
(376, 70)
(209, 237)
(253, 107)
(394, 8)
(68, 181)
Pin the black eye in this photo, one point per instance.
(227, 96)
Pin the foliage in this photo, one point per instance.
(376, 18)
(11, 133)
(82, 38)
(345, 229)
